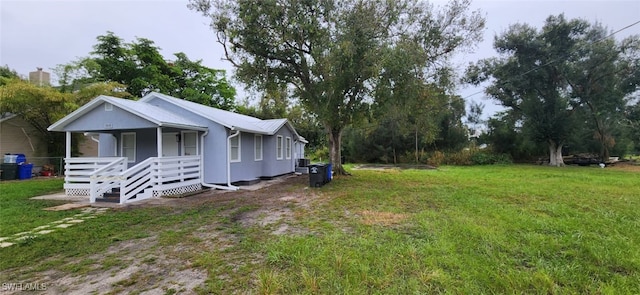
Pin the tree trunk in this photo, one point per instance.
(605, 153)
(416, 135)
(335, 143)
(555, 154)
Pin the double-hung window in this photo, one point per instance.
(235, 146)
(288, 147)
(257, 144)
(279, 147)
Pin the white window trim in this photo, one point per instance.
(239, 159)
(257, 138)
(135, 151)
(182, 141)
(279, 153)
(287, 147)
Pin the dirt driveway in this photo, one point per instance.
(146, 266)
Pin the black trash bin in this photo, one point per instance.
(317, 175)
(9, 171)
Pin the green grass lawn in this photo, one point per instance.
(460, 230)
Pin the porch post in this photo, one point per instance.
(159, 141)
(68, 145)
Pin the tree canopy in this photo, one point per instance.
(140, 66)
(546, 78)
(41, 106)
(334, 53)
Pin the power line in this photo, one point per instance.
(557, 59)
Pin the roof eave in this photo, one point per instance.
(183, 126)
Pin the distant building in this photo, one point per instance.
(40, 77)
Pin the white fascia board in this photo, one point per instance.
(59, 125)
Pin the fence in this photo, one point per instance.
(45, 163)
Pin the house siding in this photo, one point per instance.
(272, 166)
(215, 154)
(99, 119)
(248, 169)
(14, 140)
(108, 145)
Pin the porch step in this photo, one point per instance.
(113, 197)
(108, 200)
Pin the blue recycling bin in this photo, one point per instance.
(329, 173)
(25, 170)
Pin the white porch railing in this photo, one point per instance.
(78, 172)
(153, 177)
(106, 178)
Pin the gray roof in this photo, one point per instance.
(164, 118)
(152, 113)
(228, 119)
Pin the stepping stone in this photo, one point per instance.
(75, 221)
(64, 225)
(58, 221)
(44, 232)
(4, 238)
(22, 233)
(41, 227)
(5, 244)
(89, 217)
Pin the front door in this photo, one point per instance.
(170, 144)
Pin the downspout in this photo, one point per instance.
(228, 186)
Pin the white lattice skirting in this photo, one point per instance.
(177, 190)
(76, 191)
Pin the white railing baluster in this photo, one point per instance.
(97, 176)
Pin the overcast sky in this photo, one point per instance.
(45, 33)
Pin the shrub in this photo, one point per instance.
(436, 159)
(320, 155)
(486, 158)
(460, 158)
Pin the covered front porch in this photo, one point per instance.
(143, 152)
(135, 168)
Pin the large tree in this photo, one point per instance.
(601, 81)
(332, 52)
(140, 66)
(552, 78)
(529, 78)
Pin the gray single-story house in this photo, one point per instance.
(162, 145)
